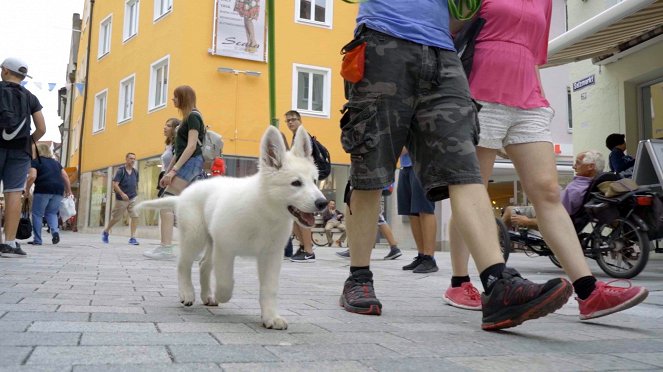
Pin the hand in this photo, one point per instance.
(517, 219)
(125, 197)
(167, 178)
(67, 193)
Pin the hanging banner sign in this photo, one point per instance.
(239, 29)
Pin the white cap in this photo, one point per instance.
(16, 65)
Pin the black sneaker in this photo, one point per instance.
(427, 265)
(15, 252)
(344, 254)
(56, 238)
(515, 300)
(394, 253)
(358, 294)
(411, 266)
(302, 256)
(5, 249)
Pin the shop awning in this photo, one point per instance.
(616, 29)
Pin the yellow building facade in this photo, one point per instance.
(133, 53)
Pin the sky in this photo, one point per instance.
(39, 33)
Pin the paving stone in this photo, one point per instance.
(42, 316)
(296, 367)
(222, 354)
(44, 326)
(182, 367)
(11, 355)
(337, 352)
(414, 365)
(147, 339)
(98, 355)
(34, 338)
(100, 309)
(204, 327)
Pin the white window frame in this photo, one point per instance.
(161, 8)
(329, 14)
(131, 19)
(156, 87)
(125, 106)
(105, 35)
(326, 90)
(100, 111)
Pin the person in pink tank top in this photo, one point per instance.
(516, 116)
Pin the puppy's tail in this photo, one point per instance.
(168, 202)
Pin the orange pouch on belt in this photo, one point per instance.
(352, 68)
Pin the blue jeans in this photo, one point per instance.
(45, 205)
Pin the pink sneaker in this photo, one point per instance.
(465, 297)
(607, 299)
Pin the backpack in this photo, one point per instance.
(212, 144)
(14, 112)
(321, 159)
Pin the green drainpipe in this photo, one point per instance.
(271, 62)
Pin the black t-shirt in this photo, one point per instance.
(49, 176)
(193, 121)
(22, 143)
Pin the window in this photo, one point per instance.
(312, 90)
(569, 106)
(158, 84)
(125, 109)
(99, 120)
(98, 198)
(161, 7)
(105, 36)
(317, 12)
(130, 19)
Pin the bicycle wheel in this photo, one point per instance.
(621, 250)
(503, 237)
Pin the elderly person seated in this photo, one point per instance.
(333, 219)
(588, 164)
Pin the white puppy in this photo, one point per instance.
(250, 216)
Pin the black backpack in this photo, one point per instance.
(321, 159)
(14, 111)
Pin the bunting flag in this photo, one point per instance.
(51, 86)
(38, 84)
(80, 86)
(24, 83)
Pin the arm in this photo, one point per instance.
(67, 184)
(40, 125)
(118, 190)
(524, 221)
(190, 148)
(32, 176)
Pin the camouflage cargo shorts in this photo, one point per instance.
(416, 96)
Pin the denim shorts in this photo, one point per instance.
(14, 167)
(192, 169)
(502, 125)
(416, 96)
(411, 198)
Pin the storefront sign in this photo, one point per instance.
(239, 29)
(589, 80)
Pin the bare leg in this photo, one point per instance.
(134, 226)
(12, 214)
(415, 226)
(250, 33)
(535, 164)
(428, 225)
(385, 230)
(167, 222)
(303, 234)
(460, 255)
(474, 219)
(361, 225)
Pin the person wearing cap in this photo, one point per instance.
(16, 151)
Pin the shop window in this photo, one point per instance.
(148, 169)
(98, 199)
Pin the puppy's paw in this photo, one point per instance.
(187, 299)
(275, 323)
(223, 294)
(210, 301)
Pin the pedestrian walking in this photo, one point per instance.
(125, 186)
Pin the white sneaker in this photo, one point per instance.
(162, 252)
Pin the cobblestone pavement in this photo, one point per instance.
(86, 306)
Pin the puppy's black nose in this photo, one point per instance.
(321, 203)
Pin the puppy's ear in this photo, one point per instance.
(272, 148)
(302, 144)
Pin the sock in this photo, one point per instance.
(394, 247)
(490, 275)
(584, 286)
(355, 268)
(11, 243)
(427, 257)
(419, 254)
(456, 281)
